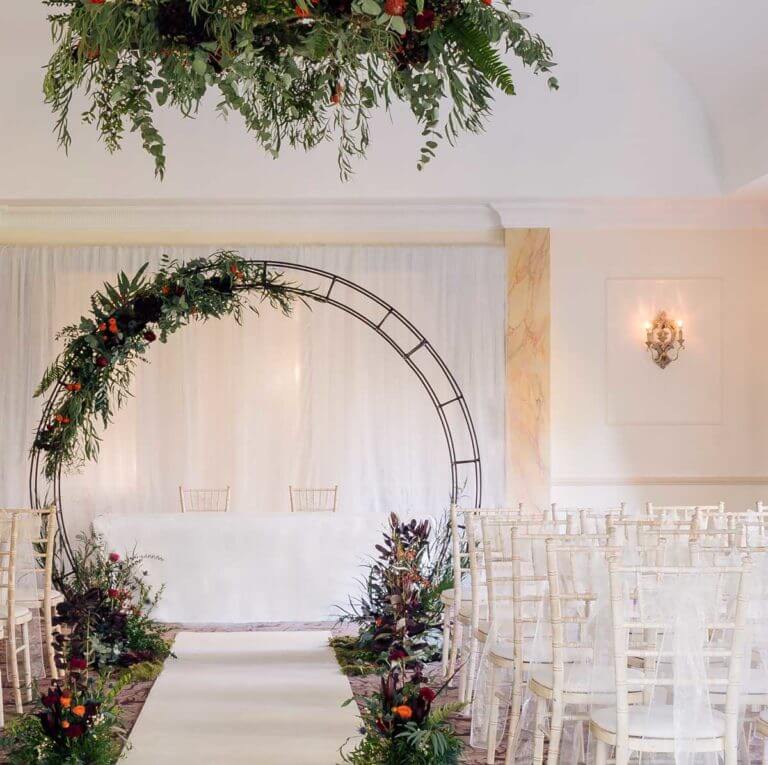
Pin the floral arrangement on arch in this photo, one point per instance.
(90, 379)
(299, 72)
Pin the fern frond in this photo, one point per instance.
(478, 49)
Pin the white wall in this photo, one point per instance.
(619, 418)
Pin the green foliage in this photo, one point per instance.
(298, 74)
(90, 379)
(353, 659)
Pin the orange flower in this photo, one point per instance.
(403, 711)
(102, 326)
(302, 13)
(166, 290)
(64, 724)
(74, 387)
(78, 711)
(66, 701)
(113, 326)
(61, 418)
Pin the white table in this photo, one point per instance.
(249, 567)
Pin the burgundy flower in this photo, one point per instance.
(50, 699)
(77, 662)
(427, 694)
(114, 557)
(75, 730)
(424, 20)
(397, 653)
(150, 336)
(102, 361)
(112, 593)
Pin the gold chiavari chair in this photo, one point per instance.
(204, 500)
(314, 500)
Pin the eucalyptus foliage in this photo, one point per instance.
(297, 73)
(91, 377)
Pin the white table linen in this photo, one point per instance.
(248, 567)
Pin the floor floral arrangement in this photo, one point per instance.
(105, 640)
(400, 605)
(401, 725)
(298, 72)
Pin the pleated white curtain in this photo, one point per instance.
(317, 399)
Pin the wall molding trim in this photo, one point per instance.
(449, 221)
(717, 480)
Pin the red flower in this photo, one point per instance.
(394, 7)
(396, 654)
(75, 730)
(150, 336)
(302, 13)
(114, 557)
(115, 594)
(427, 694)
(488, 2)
(424, 20)
(77, 662)
(97, 2)
(102, 361)
(73, 387)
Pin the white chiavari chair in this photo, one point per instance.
(528, 601)
(15, 617)
(640, 728)
(42, 528)
(204, 500)
(314, 500)
(568, 685)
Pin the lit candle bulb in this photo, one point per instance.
(647, 331)
(680, 330)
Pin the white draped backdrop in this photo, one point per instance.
(316, 399)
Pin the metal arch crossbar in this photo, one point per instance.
(390, 314)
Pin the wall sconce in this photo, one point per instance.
(664, 339)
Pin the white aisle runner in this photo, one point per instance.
(262, 698)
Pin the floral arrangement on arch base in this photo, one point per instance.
(299, 72)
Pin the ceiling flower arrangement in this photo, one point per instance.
(299, 72)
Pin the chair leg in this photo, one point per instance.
(446, 640)
(14, 660)
(27, 661)
(474, 653)
(493, 716)
(622, 755)
(555, 731)
(601, 753)
(538, 731)
(464, 671)
(515, 712)
(2, 706)
(50, 654)
(454, 658)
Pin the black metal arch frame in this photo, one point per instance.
(387, 322)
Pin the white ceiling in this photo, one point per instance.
(658, 99)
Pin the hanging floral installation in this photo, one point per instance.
(299, 72)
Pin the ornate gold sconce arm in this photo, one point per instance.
(664, 339)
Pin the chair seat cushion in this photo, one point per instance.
(465, 612)
(659, 722)
(56, 597)
(581, 678)
(447, 596)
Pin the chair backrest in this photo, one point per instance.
(679, 512)
(9, 536)
(204, 500)
(313, 500)
(38, 529)
(596, 521)
(654, 624)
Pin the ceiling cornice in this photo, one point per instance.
(375, 222)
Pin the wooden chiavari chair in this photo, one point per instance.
(679, 512)
(313, 500)
(204, 500)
